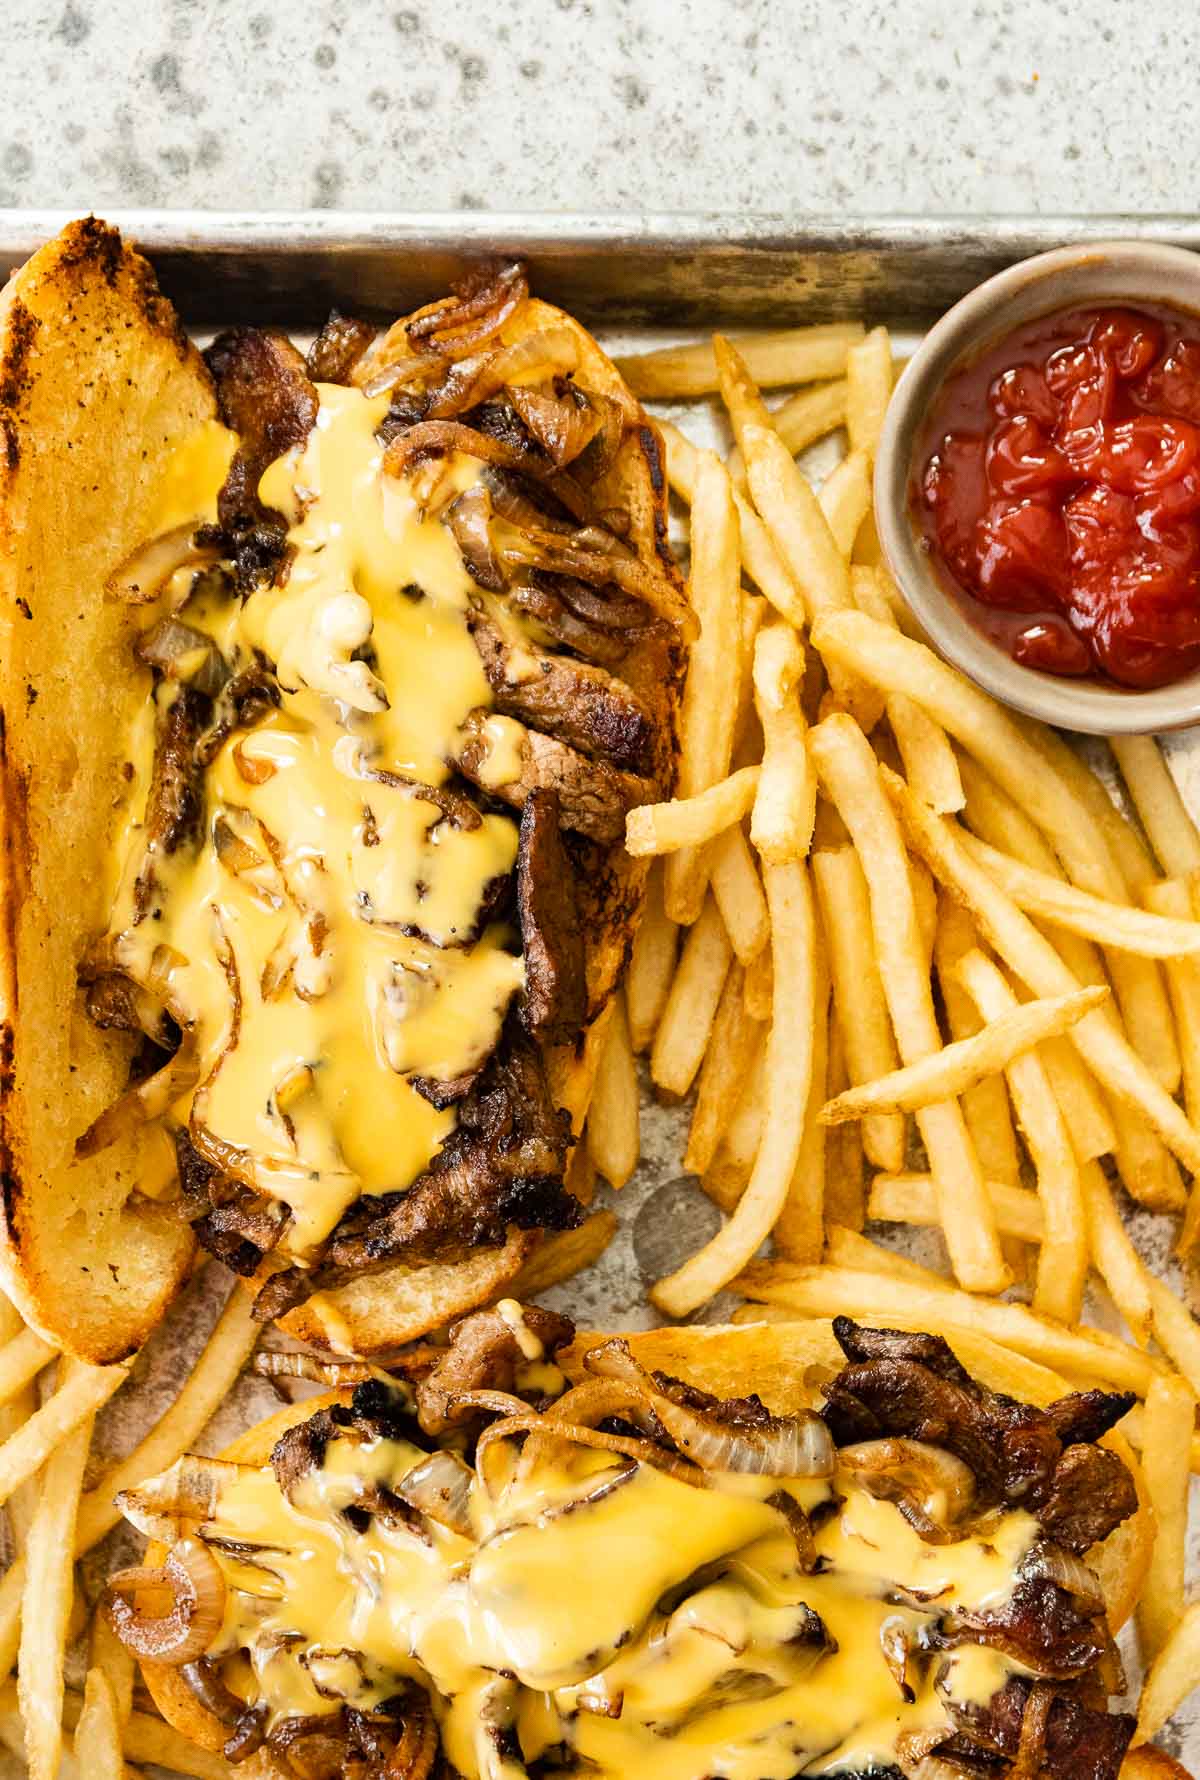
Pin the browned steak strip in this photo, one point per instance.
(266, 397)
(502, 1165)
(913, 1385)
(554, 1003)
(576, 703)
(1039, 1625)
(175, 800)
(1079, 1743)
(541, 598)
(1091, 1492)
(338, 348)
(484, 1354)
(593, 797)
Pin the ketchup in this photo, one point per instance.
(1060, 493)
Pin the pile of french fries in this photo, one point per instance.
(911, 960)
(60, 1501)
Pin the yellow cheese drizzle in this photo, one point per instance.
(313, 910)
(582, 1608)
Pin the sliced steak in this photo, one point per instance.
(502, 1165)
(1038, 1624)
(593, 797)
(175, 801)
(1036, 1459)
(484, 1354)
(338, 348)
(570, 700)
(554, 1003)
(1091, 1492)
(1077, 1742)
(266, 397)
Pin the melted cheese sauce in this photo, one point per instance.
(323, 944)
(648, 1626)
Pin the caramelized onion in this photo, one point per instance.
(441, 332)
(931, 1487)
(797, 1445)
(1048, 1562)
(190, 1489)
(564, 425)
(472, 380)
(416, 1749)
(334, 1373)
(148, 1100)
(893, 1641)
(140, 577)
(547, 550)
(180, 652)
(646, 1452)
(469, 522)
(193, 1578)
(440, 1488)
(510, 502)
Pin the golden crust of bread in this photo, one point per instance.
(97, 385)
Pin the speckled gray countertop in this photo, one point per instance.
(783, 105)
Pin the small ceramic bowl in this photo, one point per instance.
(1071, 277)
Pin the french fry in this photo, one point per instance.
(48, 1591)
(682, 1036)
(115, 1662)
(98, 1744)
(709, 706)
(1172, 899)
(613, 1121)
(1169, 827)
(801, 535)
(810, 414)
(739, 392)
(1063, 1258)
(798, 1229)
(580, 1178)
(727, 1061)
(925, 903)
(726, 1180)
(1112, 924)
(1169, 1420)
(912, 1199)
(1113, 1254)
(862, 1016)
(845, 499)
(851, 778)
(848, 1248)
(868, 389)
(1035, 961)
(75, 1401)
(929, 763)
(788, 1069)
(563, 1254)
(781, 824)
(651, 965)
(13, 1416)
(1174, 1673)
(760, 981)
(832, 1291)
(760, 559)
(21, 1359)
(790, 355)
(656, 828)
(1176, 1330)
(950, 1072)
(845, 1185)
(1148, 1169)
(985, 1106)
(734, 881)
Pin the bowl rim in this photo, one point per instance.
(977, 318)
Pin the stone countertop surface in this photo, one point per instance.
(773, 105)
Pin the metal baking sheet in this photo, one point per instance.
(636, 281)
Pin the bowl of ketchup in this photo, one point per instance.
(1037, 487)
